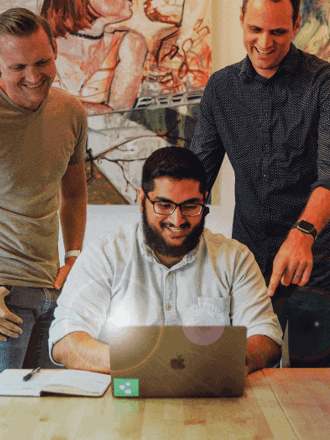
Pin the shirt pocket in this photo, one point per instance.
(207, 311)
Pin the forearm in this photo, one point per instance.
(73, 221)
(80, 351)
(294, 260)
(261, 351)
(73, 205)
(317, 210)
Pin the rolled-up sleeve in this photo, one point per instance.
(85, 300)
(323, 147)
(250, 305)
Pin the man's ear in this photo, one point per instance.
(297, 25)
(55, 47)
(241, 18)
(141, 196)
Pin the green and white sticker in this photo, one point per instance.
(126, 387)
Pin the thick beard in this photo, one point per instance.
(157, 243)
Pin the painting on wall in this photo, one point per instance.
(314, 34)
(140, 68)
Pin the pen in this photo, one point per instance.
(33, 372)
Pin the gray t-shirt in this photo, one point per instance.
(35, 151)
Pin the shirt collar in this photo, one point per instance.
(247, 68)
(289, 64)
(290, 61)
(151, 257)
(21, 109)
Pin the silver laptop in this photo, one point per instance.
(177, 361)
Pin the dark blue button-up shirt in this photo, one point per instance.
(276, 133)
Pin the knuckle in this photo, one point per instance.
(4, 331)
(10, 333)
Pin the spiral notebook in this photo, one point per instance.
(73, 382)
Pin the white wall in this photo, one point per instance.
(227, 48)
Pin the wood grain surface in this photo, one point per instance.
(282, 404)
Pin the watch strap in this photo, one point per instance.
(301, 225)
(72, 254)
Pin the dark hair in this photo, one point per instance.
(295, 5)
(175, 162)
(67, 16)
(23, 22)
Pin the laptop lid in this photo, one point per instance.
(177, 361)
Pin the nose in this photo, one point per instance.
(176, 218)
(265, 40)
(32, 75)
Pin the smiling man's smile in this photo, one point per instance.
(174, 229)
(173, 235)
(264, 52)
(268, 30)
(28, 68)
(35, 86)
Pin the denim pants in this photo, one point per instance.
(307, 311)
(36, 308)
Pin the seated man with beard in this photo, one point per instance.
(164, 270)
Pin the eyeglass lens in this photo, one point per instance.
(188, 209)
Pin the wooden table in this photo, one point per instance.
(281, 404)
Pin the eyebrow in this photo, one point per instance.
(42, 60)
(16, 65)
(193, 200)
(250, 26)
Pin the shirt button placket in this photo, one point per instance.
(169, 300)
(266, 134)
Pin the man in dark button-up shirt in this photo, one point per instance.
(271, 114)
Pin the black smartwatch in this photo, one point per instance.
(306, 227)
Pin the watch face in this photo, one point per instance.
(308, 227)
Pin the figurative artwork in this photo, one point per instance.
(140, 68)
(314, 34)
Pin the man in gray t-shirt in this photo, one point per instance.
(42, 151)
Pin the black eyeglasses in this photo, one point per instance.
(167, 208)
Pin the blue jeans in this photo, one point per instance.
(307, 311)
(36, 308)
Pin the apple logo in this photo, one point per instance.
(178, 364)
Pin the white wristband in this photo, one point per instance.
(71, 254)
